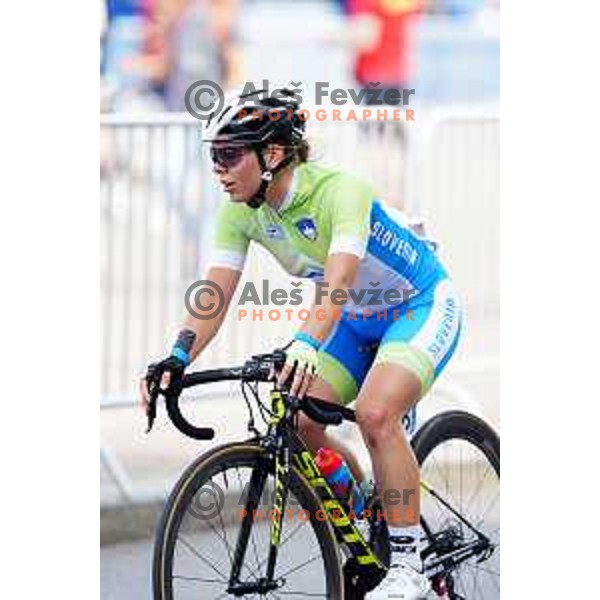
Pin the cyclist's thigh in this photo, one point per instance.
(425, 337)
(344, 360)
(319, 388)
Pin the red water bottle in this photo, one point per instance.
(340, 479)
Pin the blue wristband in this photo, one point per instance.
(304, 337)
(181, 354)
(183, 345)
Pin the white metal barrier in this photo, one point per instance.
(453, 183)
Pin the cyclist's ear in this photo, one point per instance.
(273, 155)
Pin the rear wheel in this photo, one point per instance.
(459, 456)
(198, 533)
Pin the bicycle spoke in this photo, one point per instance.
(495, 580)
(218, 536)
(225, 535)
(484, 569)
(292, 534)
(213, 529)
(283, 542)
(489, 508)
(203, 562)
(198, 555)
(301, 566)
(445, 481)
(494, 577)
(458, 461)
(475, 579)
(449, 496)
(476, 492)
(462, 587)
(254, 549)
(489, 573)
(439, 507)
(441, 511)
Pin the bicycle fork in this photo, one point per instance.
(280, 455)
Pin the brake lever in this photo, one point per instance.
(151, 414)
(278, 358)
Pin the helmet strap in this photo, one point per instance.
(266, 176)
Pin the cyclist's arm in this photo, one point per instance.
(205, 329)
(340, 272)
(229, 249)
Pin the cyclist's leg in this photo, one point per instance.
(315, 434)
(387, 394)
(344, 362)
(413, 351)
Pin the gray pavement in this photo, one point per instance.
(125, 571)
(125, 574)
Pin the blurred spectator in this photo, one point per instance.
(200, 44)
(134, 62)
(389, 60)
(154, 49)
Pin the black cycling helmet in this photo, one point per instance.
(247, 119)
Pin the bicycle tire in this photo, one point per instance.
(245, 454)
(457, 424)
(452, 426)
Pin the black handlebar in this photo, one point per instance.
(312, 407)
(257, 369)
(181, 423)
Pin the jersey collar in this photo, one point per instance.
(287, 200)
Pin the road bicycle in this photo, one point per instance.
(256, 518)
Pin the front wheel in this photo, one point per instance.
(198, 538)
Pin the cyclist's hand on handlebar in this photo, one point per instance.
(162, 376)
(304, 358)
(145, 393)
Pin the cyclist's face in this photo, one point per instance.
(237, 168)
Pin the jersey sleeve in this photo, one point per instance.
(350, 204)
(230, 241)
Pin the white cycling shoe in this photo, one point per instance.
(402, 583)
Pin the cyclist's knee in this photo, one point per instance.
(376, 422)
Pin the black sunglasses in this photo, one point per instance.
(227, 156)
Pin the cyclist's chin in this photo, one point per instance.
(237, 197)
(240, 192)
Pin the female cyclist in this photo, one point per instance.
(326, 225)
